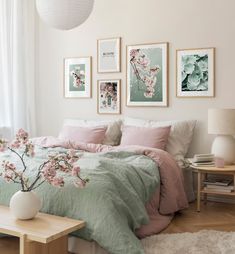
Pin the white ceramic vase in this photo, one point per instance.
(25, 205)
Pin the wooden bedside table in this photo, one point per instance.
(202, 174)
(45, 234)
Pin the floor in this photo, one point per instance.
(213, 215)
(216, 216)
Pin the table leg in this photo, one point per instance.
(198, 190)
(22, 244)
(205, 194)
(204, 198)
(234, 181)
(58, 246)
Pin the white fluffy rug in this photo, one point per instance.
(202, 242)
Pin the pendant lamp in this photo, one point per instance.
(64, 14)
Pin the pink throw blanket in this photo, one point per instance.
(167, 200)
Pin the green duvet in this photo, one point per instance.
(112, 203)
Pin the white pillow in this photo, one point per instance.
(112, 135)
(180, 135)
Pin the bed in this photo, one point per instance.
(134, 192)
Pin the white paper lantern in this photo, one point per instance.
(64, 14)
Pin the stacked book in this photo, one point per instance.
(203, 160)
(219, 185)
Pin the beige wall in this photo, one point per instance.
(182, 23)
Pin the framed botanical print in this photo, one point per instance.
(77, 77)
(147, 74)
(109, 96)
(109, 55)
(195, 72)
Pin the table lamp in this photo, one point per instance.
(222, 123)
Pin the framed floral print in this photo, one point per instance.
(147, 74)
(109, 55)
(195, 72)
(108, 96)
(77, 77)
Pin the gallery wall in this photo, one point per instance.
(183, 23)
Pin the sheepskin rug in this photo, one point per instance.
(202, 242)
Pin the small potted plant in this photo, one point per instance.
(25, 203)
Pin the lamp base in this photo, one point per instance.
(224, 147)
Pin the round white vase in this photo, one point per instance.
(25, 205)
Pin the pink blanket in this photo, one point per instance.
(167, 200)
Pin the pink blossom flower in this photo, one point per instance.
(57, 181)
(148, 94)
(8, 176)
(143, 61)
(80, 183)
(8, 166)
(22, 136)
(64, 167)
(49, 171)
(15, 144)
(71, 152)
(9, 171)
(134, 52)
(153, 71)
(75, 171)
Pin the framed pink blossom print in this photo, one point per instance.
(77, 77)
(109, 96)
(147, 74)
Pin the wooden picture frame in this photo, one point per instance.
(78, 77)
(147, 75)
(195, 73)
(109, 96)
(109, 55)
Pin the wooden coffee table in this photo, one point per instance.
(45, 234)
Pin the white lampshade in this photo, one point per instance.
(221, 121)
(64, 14)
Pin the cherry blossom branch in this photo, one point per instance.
(31, 187)
(22, 161)
(47, 171)
(136, 71)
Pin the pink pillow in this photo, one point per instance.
(145, 136)
(93, 135)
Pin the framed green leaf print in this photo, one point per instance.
(195, 72)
